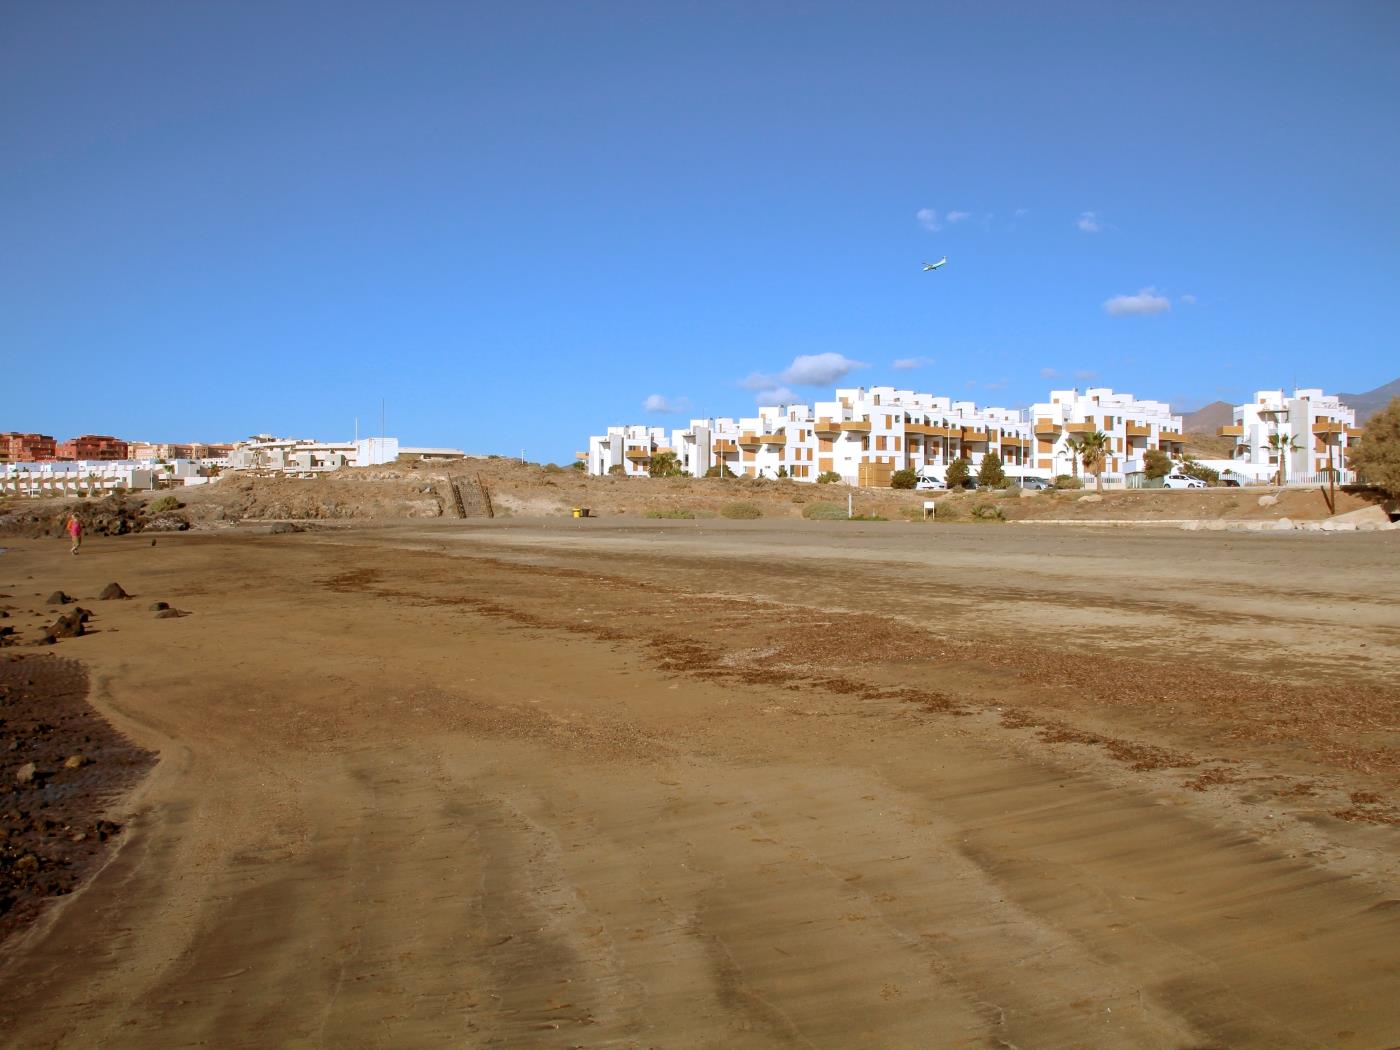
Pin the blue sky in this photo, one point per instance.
(518, 223)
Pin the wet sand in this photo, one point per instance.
(690, 784)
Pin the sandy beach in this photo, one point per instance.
(710, 783)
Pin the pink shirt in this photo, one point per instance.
(75, 527)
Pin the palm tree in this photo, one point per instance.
(1281, 445)
(1092, 450)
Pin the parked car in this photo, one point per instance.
(1034, 483)
(1182, 481)
(929, 485)
(969, 483)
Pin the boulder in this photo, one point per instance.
(59, 598)
(159, 606)
(112, 592)
(69, 625)
(26, 773)
(1284, 524)
(1267, 501)
(168, 614)
(1366, 515)
(75, 762)
(1091, 498)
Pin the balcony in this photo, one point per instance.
(973, 434)
(1046, 426)
(1233, 431)
(1080, 428)
(748, 441)
(827, 428)
(921, 428)
(857, 426)
(1015, 442)
(1173, 436)
(773, 439)
(1354, 432)
(1138, 430)
(723, 447)
(638, 455)
(1326, 426)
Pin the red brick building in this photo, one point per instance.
(26, 448)
(92, 446)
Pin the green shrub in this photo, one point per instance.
(782, 472)
(741, 511)
(720, 470)
(828, 477)
(1068, 481)
(1156, 463)
(988, 512)
(1197, 470)
(904, 479)
(867, 517)
(617, 469)
(164, 505)
(823, 511)
(579, 465)
(991, 474)
(665, 465)
(673, 512)
(958, 471)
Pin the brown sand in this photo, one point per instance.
(685, 784)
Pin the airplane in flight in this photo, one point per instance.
(934, 266)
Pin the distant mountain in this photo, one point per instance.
(1209, 418)
(1372, 401)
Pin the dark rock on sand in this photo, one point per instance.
(168, 614)
(159, 606)
(69, 625)
(59, 598)
(112, 592)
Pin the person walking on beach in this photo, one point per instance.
(75, 530)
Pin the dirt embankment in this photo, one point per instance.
(417, 490)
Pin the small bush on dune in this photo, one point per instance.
(828, 477)
(164, 505)
(1068, 481)
(988, 512)
(823, 511)
(904, 479)
(673, 512)
(741, 511)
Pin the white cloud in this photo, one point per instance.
(777, 395)
(1189, 299)
(1146, 302)
(1020, 213)
(1089, 222)
(928, 219)
(758, 381)
(1049, 373)
(819, 369)
(1000, 384)
(661, 403)
(1085, 374)
(906, 364)
(958, 216)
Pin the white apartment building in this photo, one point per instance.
(865, 435)
(1305, 427)
(70, 478)
(1133, 428)
(306, 457)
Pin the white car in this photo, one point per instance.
(1182, 481)
(929, 485)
